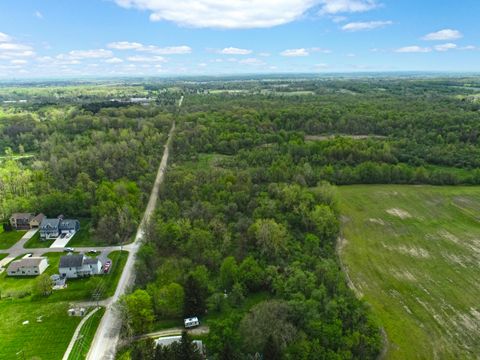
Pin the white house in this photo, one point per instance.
(30, 266)
(76, 266)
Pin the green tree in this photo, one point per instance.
(195, 297)
(169, 300)
(138, 311)
(228, 273)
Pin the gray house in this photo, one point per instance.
(53, 228)
(30, 266)
(21, 221)
(77, 266)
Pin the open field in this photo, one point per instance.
(412, 252)
(45, 340)
(9, 238)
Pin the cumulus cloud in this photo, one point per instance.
(18, 62)
(4, 37)
(369, 25)
(124, 45)
(114, 60)
(10, 50)
(295, 52)
(252, 61)
(347, 6)
(235, 51)
(87, 54)
(413, 49)
(445, 34)
(146, 59)
(38, 15)
(445, 47)
(170, 50)
(224, 14)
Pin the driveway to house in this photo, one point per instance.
(62, 242)
(106, 338)
(17, 249)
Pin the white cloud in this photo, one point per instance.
(445, 34)
(10, 50)
(87, 54)
(38, 14)
(114, 60)
(235, 51)
(264, 54)
(320, 50)
(347, 6)
(4, 37)
(295, 52)
(170, 50)
(146, 58)
(13, 47)
(321, 66)
(124, 45)
(445, 47)
(370, 25)
(18, 62)
(468, 47)
(225, 14)
(413, 49)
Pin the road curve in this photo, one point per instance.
(106, 338)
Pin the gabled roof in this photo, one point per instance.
(71, 261)
(90, 261)
(27, 262)
(49, 224)
(17, 216)
(39, 218)
(68, 224)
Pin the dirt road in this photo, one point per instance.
(107, 336)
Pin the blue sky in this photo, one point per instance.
(54, 38)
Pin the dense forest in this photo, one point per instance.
(68, 160)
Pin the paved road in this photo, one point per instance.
(107, 336)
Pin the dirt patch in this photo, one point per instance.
(377, 221)
(448, 236)
(402, 214)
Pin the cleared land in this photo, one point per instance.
(87, 332)
(412, 252)
(44, 339)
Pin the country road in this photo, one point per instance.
(107, 336)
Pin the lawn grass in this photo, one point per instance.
(40, 340)
(412, 252)
(9, 238)
(3, 256)
(84, 237)
(87, 332)
(35, 242)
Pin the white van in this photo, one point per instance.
(191, 322)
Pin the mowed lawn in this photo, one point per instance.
(45, 340)
(9, 238)
(413, 253)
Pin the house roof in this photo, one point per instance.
(17, 216)
(88, 261)
(27, 262)
(71, 261)
(49, 223)
(68, 224)
(39, 218)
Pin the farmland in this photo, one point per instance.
(412, 253)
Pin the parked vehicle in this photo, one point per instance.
(191, 322)
(93, 251)
(69, 249)
(106, 267)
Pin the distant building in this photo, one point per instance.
(30, 266)
(169, 340)
(77, 266)
(21, 221)
(53, 228)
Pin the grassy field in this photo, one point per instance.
(45, 340)
(412, 252)
(9, 238)
(87, 332)
(35, 242)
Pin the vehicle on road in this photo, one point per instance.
(93, 251)
(69, 249)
